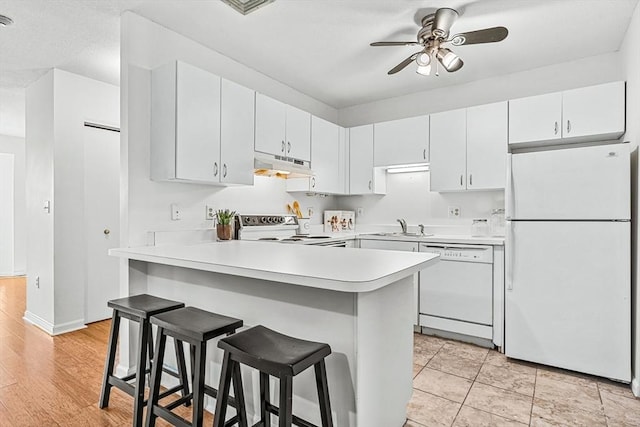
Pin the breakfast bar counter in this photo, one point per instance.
(358, 301)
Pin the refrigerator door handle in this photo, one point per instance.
(509, 255)
(509, 208)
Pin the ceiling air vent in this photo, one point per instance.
(245, 7)
(5, 21)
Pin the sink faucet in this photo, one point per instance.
(421, 227)
(403, 224)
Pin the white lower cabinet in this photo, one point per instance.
(394, 245)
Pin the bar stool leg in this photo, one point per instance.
(239, 395)
(156, 377)
(323, 394)
(105, 391)
(138, 396)
(285, 414)
(223, 391)
(265, 415)
(182, 369)
(198, 385)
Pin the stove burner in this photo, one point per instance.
(306, 236)
(292, 239)
(268, 238)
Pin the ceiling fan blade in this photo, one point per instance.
(403, 64)
(442, 22)
(488, 35)
(394, 44)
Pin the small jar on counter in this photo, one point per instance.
(479, 228)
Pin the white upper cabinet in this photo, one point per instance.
(399, 142)
(487, 130)
(448, 150)
(327, 160)
(282, 129)
(237, 134)
(536, 118)
(201, 127)
(597, 111)
(586, 114)
(469, 148)
(185, 124)
(363, 179)
(298, 134)
(271, 116)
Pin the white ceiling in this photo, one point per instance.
(319, 47)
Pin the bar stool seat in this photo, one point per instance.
(194, 326)
(139, 308)
(281, 356)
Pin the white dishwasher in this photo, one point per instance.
(456, 294)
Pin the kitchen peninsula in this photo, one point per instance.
(358, 301)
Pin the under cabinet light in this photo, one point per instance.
(419, 167)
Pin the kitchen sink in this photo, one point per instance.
(400, 234)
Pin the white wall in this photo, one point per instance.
(408, 197)
(57, 107)
(630, 52)
(146, 204)
(12, 108)
(16, 146)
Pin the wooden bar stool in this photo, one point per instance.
(139, 308)
(283, 357)
(195, 327)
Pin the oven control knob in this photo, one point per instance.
(280, 219)
(263, 220)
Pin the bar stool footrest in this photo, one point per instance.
(174, 419)
(123, 385)
(296, 420)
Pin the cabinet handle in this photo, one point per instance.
(461, 181)
(282, 146)
(313, 182)
(470, 179)
(568, 126)
(289, 147)
(424, 154)
(555, 128)
(224, 170)
(370, 184)
(215, 169)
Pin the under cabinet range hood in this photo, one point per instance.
(281, 167)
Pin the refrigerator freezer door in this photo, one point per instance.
(567, 302)
(570, 184)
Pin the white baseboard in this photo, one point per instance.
(635, 387)
(50, 328)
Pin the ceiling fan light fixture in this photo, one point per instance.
(424, 70)
(5, 21)
(423, 59)
(449, 60)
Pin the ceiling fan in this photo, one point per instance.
(434, 32)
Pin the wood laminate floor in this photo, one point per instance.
(55, 381)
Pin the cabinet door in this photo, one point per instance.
(487, 129)
(448, 150)
(595, 111)
(298, 134)
(237, 134)
(402, 141)
(197, 124)
(325, 156)
(361, 160)
(270, 125)
(343, 161)
(537, 118)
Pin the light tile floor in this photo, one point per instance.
(458, 384)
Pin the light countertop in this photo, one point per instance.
(344, 269)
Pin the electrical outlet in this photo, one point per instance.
(360, 212)
(38, 282)
(454, 212)
(310, 212)
(175, 212)
(209, 212)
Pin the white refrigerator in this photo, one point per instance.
(568, 259)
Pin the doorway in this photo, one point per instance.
(6, 214)
(102, 218)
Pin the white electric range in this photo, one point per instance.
(275, 228)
